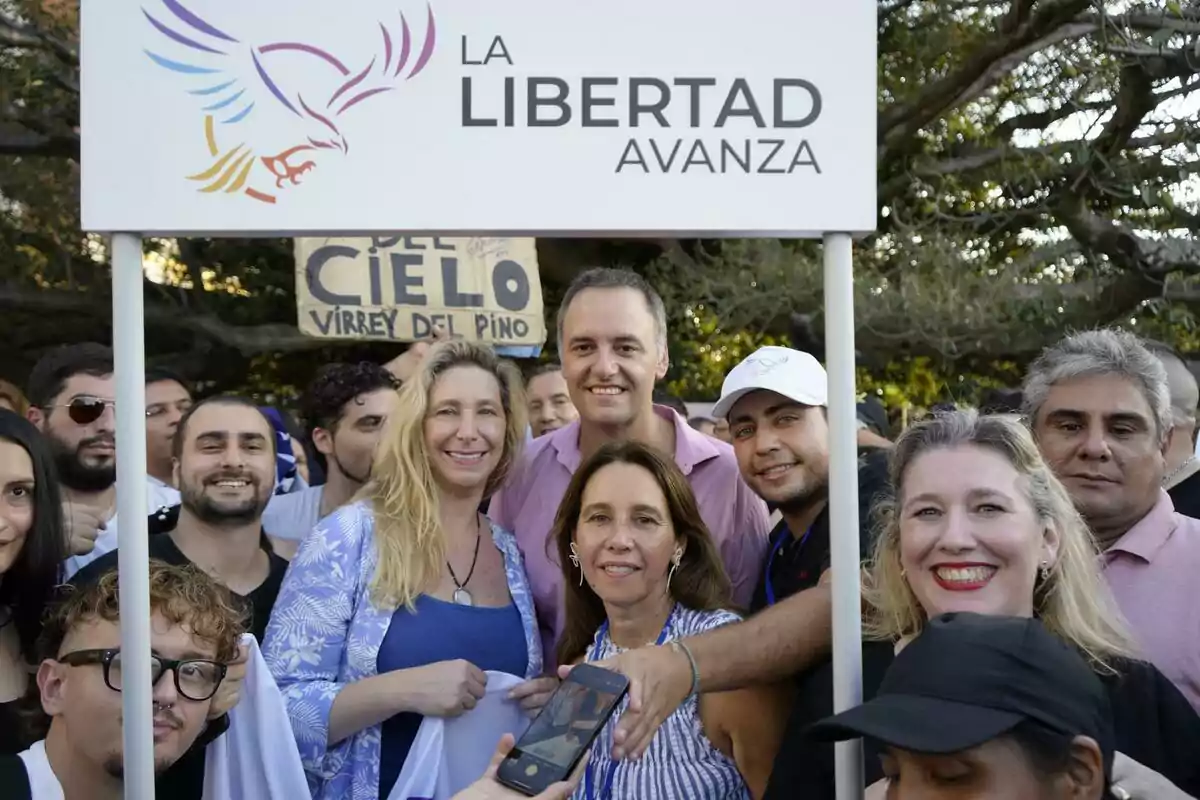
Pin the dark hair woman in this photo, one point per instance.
(641, 569)
(32, 549)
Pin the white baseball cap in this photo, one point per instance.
(795, 375)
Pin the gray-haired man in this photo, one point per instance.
(1100, 409)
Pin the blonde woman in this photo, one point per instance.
(979, 523)
(397, 604)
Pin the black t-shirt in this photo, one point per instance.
(162, 547)
(797, 563)
(1153, 722)
(1185, 496)
(14, 778)
(185, 778)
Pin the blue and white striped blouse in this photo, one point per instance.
(681, 762)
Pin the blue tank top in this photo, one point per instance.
(490, 638)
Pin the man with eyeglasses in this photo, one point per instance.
(72, 400)
(194, 633)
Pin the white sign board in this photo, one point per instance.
(523, 117)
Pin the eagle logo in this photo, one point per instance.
(243, 90)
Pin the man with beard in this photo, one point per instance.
(71, 400)
(345, 408)
(194, 632)
(225, 469)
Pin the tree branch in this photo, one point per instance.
(28, 143)
(1021, 36)
(248, 340)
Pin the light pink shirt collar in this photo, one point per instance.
(691, 446)
(1145, 539)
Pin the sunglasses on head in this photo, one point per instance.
(86, 410)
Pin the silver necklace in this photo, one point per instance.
(461, 596)
(1190, 460)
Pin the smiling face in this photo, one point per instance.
(625, 536)
(464, 428)
(16, 501)
(782, 448)
(611, 355)
(1098, 435)
(226, 465)
(970, 539)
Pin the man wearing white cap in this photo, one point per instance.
(775, 402)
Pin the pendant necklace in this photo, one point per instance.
(461, 596)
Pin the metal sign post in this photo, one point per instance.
(133, 553)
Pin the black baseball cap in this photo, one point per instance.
(968, 679)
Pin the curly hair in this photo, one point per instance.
(183, 595)
(324, 401)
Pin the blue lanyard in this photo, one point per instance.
(770, 586)
(610, 770)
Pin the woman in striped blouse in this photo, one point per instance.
(641, 568)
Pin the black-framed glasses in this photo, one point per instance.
(86, 410)
(195, 678)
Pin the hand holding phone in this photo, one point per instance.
(559, 739)
(487, 788)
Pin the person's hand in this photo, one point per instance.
(1134, 781)
(83, 526)
(534, 694)
(660, 679)
(405, 365)
(445, 689)
(487, 788)
(230, 690)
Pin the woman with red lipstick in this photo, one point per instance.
(978, 523)
(641, 568)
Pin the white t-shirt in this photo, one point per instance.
(158, 495)
(292, 516)
(43, 783)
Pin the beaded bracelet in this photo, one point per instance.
(680, 647)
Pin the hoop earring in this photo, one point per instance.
(676, 557)
(575, 560)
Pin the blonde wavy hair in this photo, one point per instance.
(403, 491)
(1072, 601)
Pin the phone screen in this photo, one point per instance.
(564, 730)
(567, 724)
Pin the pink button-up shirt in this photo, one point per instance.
(1154, 572)
(526, 505)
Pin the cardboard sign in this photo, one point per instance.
(398, 288)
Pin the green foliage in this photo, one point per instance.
(1032, 179)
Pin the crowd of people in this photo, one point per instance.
(1030, 626)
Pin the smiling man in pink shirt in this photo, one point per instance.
(612, 338)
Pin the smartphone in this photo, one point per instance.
(561, 734)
